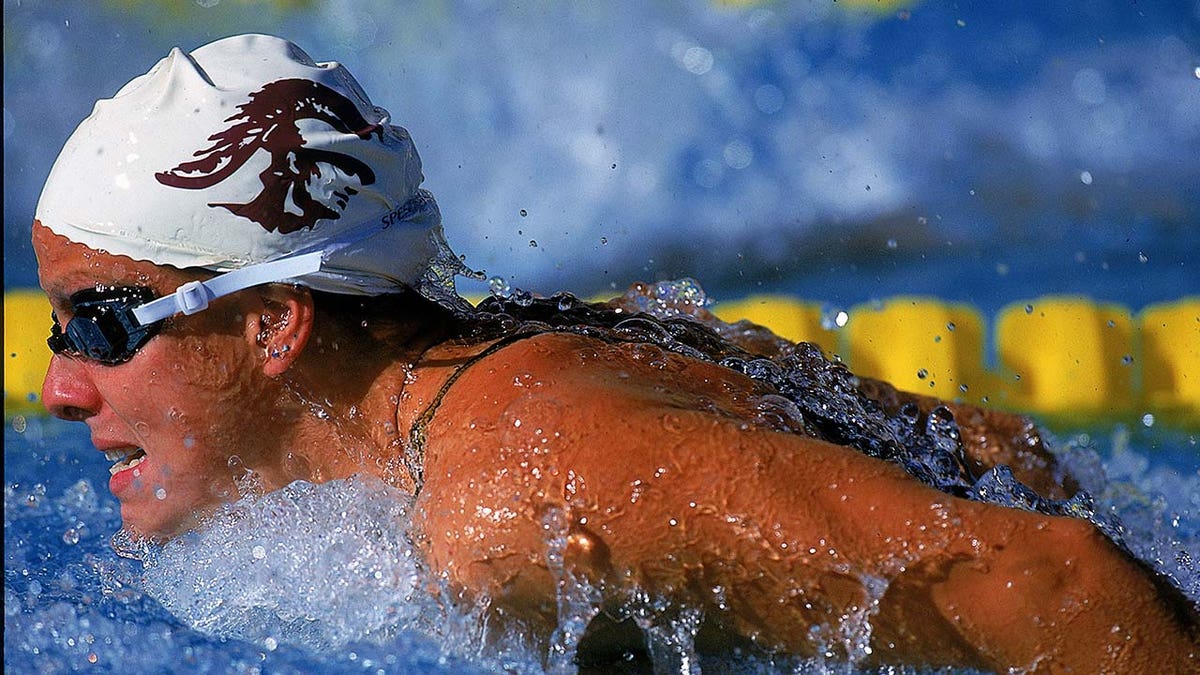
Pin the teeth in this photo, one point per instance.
(114, 455)
(126, 460)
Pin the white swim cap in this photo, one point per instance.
(247, 151)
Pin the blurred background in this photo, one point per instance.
(839, 151)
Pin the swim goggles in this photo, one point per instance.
(111, 323)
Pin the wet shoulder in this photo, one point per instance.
(577, 379)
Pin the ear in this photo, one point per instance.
(279, 325)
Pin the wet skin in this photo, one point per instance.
(655, 465)
(665, 481)
(202, 399)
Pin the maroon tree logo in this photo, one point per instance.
(268, 121)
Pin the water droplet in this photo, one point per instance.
(523, 298)
(499, 287)
(833, 318)
(922, 373)
(524, 213)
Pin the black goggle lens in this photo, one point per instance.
(104, 328)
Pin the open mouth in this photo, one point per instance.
(125, 459)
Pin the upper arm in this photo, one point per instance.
(650, 468)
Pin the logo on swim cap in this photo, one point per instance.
(269, 121)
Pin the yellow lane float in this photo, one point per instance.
(1067, 358)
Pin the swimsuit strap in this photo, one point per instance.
(414, 453)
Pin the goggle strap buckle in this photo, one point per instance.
(194, 296)
(191, 297)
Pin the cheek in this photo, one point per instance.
(216, 363)
(222, 402)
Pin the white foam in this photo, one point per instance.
(318, 565)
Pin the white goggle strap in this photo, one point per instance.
(194, 296)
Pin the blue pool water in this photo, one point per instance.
(287, 591)
(984, 153)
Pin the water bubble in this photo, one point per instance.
(922, 373)
(523, 298)
(892, 244)
(160, 494)
(259, 552)
(1029, 309)
(1085, 177)
(1127, 359)
(833, 318)
(603, 240)
(697, 60)
(499, 287)
(18, 424)
(1148, 420)
(950, 326)
(524, 213)
(71, 536)
(271, 644)
(738, 154)
(768, 99)
(533, 243)
(1142, 257)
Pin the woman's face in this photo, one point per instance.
(192, 403)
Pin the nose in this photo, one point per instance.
(68, 391)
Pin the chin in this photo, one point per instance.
(158, 526)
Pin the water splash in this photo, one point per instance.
(316, 565)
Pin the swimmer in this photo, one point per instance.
(247, 279)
